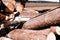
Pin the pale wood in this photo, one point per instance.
(51, 36)
(55, 29)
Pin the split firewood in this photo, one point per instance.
(4, 38)
(7, 8)
(46, 20)
(10, 4)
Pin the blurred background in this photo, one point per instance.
(45, 0)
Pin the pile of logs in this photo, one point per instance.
(28, 24)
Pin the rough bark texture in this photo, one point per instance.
(48, 19)
(20, 34)
(13, 15)
(45, 34)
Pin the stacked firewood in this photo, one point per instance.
(28, 24)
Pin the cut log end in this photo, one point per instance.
(55, 29)
(58, 30)
(51, 36)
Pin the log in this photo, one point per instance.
(45, 34)
(20, 34)
(43, 21)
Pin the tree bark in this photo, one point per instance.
(46, 20)
(45, 34)
(20, 34)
